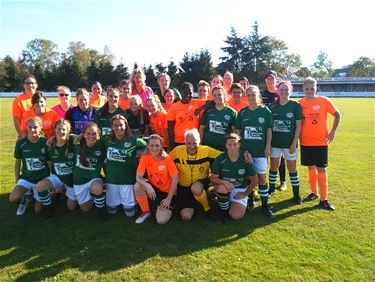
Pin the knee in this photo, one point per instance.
(41, 186)
(162, 220)
(221, 189)
(186, 215)
(197, 189)
(96, 188)
(13, 198)
(235, 216)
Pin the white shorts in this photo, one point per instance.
(278, 152)
(234, 192)
(58, 184)
(120, 195)
(260, 165)
(29, 186)
(82, 192)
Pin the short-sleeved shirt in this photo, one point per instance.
(218, 124)
(193, 168)
(33, 158)
(49, 119)
(123, 103)
(253, 125)
(268, 98)
(137, 123)
(103, 119)
(78, 119)
(237, 107)
(60, 112)
(84, 173)
(144, 94)
(159, 125)
(21, 104)
(184, 118)
(314, 129)
(159, 172)
(97, 102)
(284, 123)
(121, 159)
(62, 161)
(235, 172)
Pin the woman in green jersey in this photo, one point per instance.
(121, 152)
(30, 167)
(287, 120)
(61, 156)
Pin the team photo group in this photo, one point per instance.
(153, 153)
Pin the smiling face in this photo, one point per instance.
(218, 96)
(169, 96)
(134, 104)
(232, 145)
(202, 92)
(40, 106)
(30, 85)
(271, 82)
(228, 80)
(113, 98)
(164, 82)
(63, 97)
(34, 129)
(216, 81)
(62, 131)
(138, 79)
(192, 144)
(284, 91)
(187, 95)
(251, 95)
(119, 127)
(154, 146)
(152, 107)
(236, 93)
(83, 102)
(126, 90)
(96, 89)
(309, 89)
(91, 135)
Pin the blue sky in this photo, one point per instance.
(149, 32)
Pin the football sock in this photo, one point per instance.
(45, 198)
(323, 185)
(223, 201)
(313, 179)
(272, 180)
(293, 176)
(263, 192)
(99, 200)
(142, 201)
(202, 199)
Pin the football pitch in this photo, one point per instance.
(302, 243)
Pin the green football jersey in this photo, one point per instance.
(121, 163)
(218, 124)
(253, 127)
(284, 123)
(85, 172)
(62, 161)
(34, 157)
(103, 120)
(235, 172)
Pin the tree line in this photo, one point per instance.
(250, 56)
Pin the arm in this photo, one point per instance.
(216, 180)
(17, 169)
(267, 150)
(207, 105)
(171, 124)
(17, 122)
(336, 121)
(149, 189)
(250, 188)
(293, 146)
(201, 131)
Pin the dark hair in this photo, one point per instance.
(244, 78)
(128, 132)
(37, 96)
(236, 86)
(82, 144)
(30, 76)
(186, 85)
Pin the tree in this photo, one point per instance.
(150, 76)
(323, 66)
(42, 53)
(232, 61)
(197, 66)
(12, 74)
(172, 70)
(362, 67)
(303, 72)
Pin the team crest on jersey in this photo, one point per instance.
(161, 167)
(127, 144)
(316, 107)
(201, 169)
(43, 150)
(97, 153)
(227, 117)
(241, 171)
(70, 156)
(190, 107)
(261, 120)
(289, 115)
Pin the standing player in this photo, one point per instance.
(269, 96)
(315, 139)
(287, 119)
(31, 159)
(121, 148)
(162, 176)
(238, 100)
(254, 125)
(64, 95)
(97, 100)
(158, 119)
(234, 178)
(137, 117)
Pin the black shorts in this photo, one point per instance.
(161, 195)
(185, 198)
(314, 155)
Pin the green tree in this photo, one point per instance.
(12, 74)
(362, 67)
(150, 76)
(323, 66)
(197, 66)
(172, 70)
(303, 72)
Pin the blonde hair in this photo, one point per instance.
(60, 121)
(37, 121)
(82, 92)
(159, 105)
(255, 89)
(222, 90)
(163, 153)
(310, 80)
(143, 83)
(63, 89)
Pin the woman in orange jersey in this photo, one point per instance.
(48, 116)
(126, 91)
(158, 118)
(315, 139)
(237, 100)
(162, 182)
(203, 89)
(169, 97)
(97, 100)
(22, 102)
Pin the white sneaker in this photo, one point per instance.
(22, 207)
(282, 186)
(142, 218)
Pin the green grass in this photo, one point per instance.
(301, 244)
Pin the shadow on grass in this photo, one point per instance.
(68, 240)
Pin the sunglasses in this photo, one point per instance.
(64, 95)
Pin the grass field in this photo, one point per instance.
(302, 243)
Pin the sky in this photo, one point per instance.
(149, 32)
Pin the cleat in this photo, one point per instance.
(143, 217)
(250, 206)
(297, 200)
(271, 193)
(211, 215)
(326, 205)
(282, 186)
(310, 197)
(267, 212)
(25, 201)
(111, 210)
